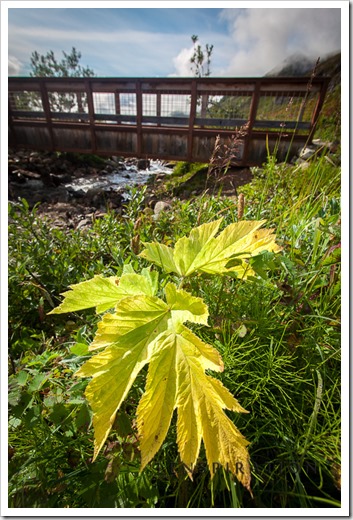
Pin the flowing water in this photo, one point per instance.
(130, 176)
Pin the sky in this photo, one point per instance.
(156, 42)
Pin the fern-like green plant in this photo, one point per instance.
(145, 329)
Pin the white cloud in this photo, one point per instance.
(182, 63)
(247, 42)
(14, 66)
(261, 38)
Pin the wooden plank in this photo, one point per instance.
(83, 116)
(192, 117)
(46, 107)
(282, 124)
(114, 117)
(318, 108)
(28, 113)
(252, 116)
(176, 121)
(219, 123)
(139, 117)
(91, 114)
(158, 106)
(117, 105)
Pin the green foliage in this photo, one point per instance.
(184, 174)
(201, 59)
(145, 329)
(329, 124)
(47, 65)
(79, 159)
(278, 334)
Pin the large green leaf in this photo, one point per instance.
(203, 252)
(104, 293)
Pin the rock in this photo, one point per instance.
(332, 147)
(98, 214)
(59, 194)
(58, 179)
(307, 152)
(47, 161)
(117, 159)
(79, 172)
(159, 177)
(161, 206)
(18, 179)
(35, 184)
(143, 164)
(26, 173)
(77, 194)
(84, 223)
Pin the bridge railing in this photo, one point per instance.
(171, 118)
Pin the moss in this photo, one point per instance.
(184, 173)
(81, 159)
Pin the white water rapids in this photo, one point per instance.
(119, 179)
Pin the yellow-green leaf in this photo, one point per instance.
(144, 329)
(185, 307)
(129, 337)
(203, 416)
(177, 379)
(203, 251)
(188, 249)
(104, 293)
(161, 255)
(99, 292)
(156, 406)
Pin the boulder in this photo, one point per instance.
(307, 152)
(161, 206)
(143, 164)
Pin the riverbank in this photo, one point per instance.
(73, 190)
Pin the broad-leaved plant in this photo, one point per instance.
(143, 328)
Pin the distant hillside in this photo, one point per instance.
(295, 65)
(329, 124)
(300, 65)
(331, 66)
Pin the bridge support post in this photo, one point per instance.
(192, 118)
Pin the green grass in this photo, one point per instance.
(278, 334)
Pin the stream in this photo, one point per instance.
(118, 179)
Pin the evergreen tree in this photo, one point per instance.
(47, 65)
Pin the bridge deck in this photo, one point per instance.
(165, 118)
